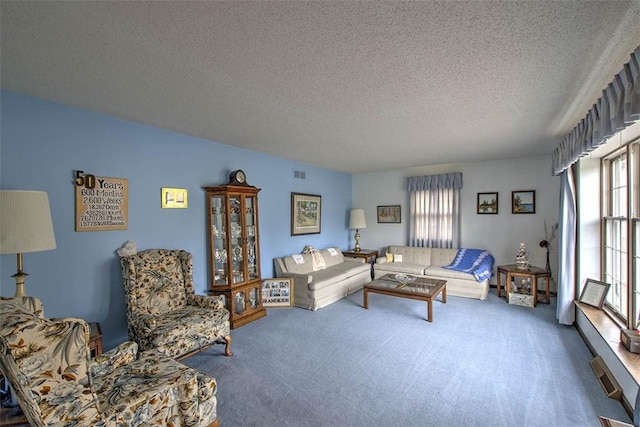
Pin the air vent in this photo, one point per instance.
(606, 379)
(299, 174)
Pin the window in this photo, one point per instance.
(435, 210)
(621, 232)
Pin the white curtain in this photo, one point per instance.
(435, 210)
(565, 312)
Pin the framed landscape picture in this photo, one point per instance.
(277, 292)
(488, 203)
(389, 214)
(523, 202)
(306, 212)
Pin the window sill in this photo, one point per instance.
(609, 330)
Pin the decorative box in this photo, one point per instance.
(630, 339)
(521, 299)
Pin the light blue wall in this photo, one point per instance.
(42, 145)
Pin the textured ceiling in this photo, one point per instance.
(349, 86)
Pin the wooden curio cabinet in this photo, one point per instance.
(234, 250)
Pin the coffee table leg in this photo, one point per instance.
(430, 310)
(365, 297)
(444, 294)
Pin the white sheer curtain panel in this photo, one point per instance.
(565, 311)
(435, 210)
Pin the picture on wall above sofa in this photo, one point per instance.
(523, 202)
(306, 212)
(389, 214)
(488, 203)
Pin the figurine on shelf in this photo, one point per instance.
(522, 258)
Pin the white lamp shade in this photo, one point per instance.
(356, 219)
(25, 222)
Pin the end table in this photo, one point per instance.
(369, 256)
(534, 273)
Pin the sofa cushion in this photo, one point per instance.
(299, 263)
(332, 256)
(412, 255)
(324, 278)
(400, 267)
(442, 257)
(435, 271)
(389, 257)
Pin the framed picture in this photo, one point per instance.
(594, 292)
(306, 212)
(389, 214)
(523, 202)
(277, 292)
(488, 203)
(174, 198)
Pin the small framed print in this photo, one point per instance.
(173, 198)
(487, 203)
(277, 292)
(389, 214)
(594, 292)
(523, 202)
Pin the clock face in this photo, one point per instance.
(240, 177)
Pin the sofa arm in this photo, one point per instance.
(114, 358)
(381, 260)
(300, 281)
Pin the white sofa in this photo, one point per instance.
(430, 262)
(328, 278)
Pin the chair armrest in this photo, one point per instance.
(215, 302)
(114, 358)
(381, 260)
(142, 322)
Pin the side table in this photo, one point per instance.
(533, 273)
(369, 256)
(95, 339)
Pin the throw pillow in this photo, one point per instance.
(389, 257)
(397, 258)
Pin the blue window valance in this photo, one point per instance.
(617, 108)
(434, 182)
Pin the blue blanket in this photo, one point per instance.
(475, 261)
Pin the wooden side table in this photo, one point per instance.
(533, 273)
(369, 256)
(95, 339)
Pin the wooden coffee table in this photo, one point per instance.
(423, 289)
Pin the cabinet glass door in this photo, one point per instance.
(251, 233)
(219, 239)
(237, 246)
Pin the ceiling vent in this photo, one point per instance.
(299, 174)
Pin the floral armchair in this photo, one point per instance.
(47, 363)
(163, 311)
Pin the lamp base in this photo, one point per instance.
(357, 237)
(21, 278)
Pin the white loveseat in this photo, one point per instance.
(322, 277)
(430, 262)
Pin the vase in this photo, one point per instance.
(548, 266)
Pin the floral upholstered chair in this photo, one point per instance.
(163, 311)
(47, 363)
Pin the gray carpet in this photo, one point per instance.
(480, 363)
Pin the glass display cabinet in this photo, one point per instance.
(234, 250)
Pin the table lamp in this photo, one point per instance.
(25, 226)
(357, 221)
